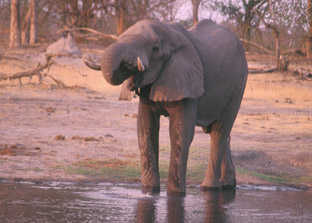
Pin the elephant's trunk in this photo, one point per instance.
(116, 61)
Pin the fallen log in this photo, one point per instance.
(258, 71)
(28, 73)
(36, 71)
(300, 52)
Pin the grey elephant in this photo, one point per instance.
(196, 77)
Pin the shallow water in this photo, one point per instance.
(67, 202)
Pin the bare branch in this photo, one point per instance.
(257, 45)
(50, 55)
(105, 36)
(58, 82)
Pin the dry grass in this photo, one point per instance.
(107, 163)
(278, 90)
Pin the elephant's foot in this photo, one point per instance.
(150, 189)
(211, 184)
(174, 189)
(176, 193)
(207, 188)
(230, 187)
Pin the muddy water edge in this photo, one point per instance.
(106, 202)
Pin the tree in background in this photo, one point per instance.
(110, 16)
(33, 23)
(270, 22)
(275, 25)
(27, 33)
(29, 28)
(309, 37)
(121, 19)
(15, 34)
(247, 18)
(243, 12)
(5, 13)
(66, 13)
(287, 21)
(126, 13)
(25, 27)
(195, 4)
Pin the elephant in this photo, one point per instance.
(197, 77)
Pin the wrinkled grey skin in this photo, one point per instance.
(196, 77)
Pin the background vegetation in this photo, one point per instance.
(279, 27)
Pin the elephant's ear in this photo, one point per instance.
(182, 76)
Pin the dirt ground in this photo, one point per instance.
(84, 133)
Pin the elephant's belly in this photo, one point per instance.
(209, 109)
(205, 122)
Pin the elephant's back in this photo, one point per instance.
(225, 68)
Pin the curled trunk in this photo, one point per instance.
(116, 63)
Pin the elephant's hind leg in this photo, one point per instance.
(228, 181)
(221, 171)
(218, 147)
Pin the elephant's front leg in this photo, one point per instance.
(181, 128)
(148, 137)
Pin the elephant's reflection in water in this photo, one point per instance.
(175, 209)
(145, 211)
(214, 205)
(209, 210)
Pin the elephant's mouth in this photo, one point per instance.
(131, 72)
(136, 81)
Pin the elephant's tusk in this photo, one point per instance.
(140, 65)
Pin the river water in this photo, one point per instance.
(104, 202)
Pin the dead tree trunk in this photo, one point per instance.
(33, 23)
(195, 4)
(276, 33)
(120, 16)
(309, 39)
(15, 32)
(277, 47)
(25, 28)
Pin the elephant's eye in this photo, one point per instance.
(155, 48)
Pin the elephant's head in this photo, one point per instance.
(156, 54)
